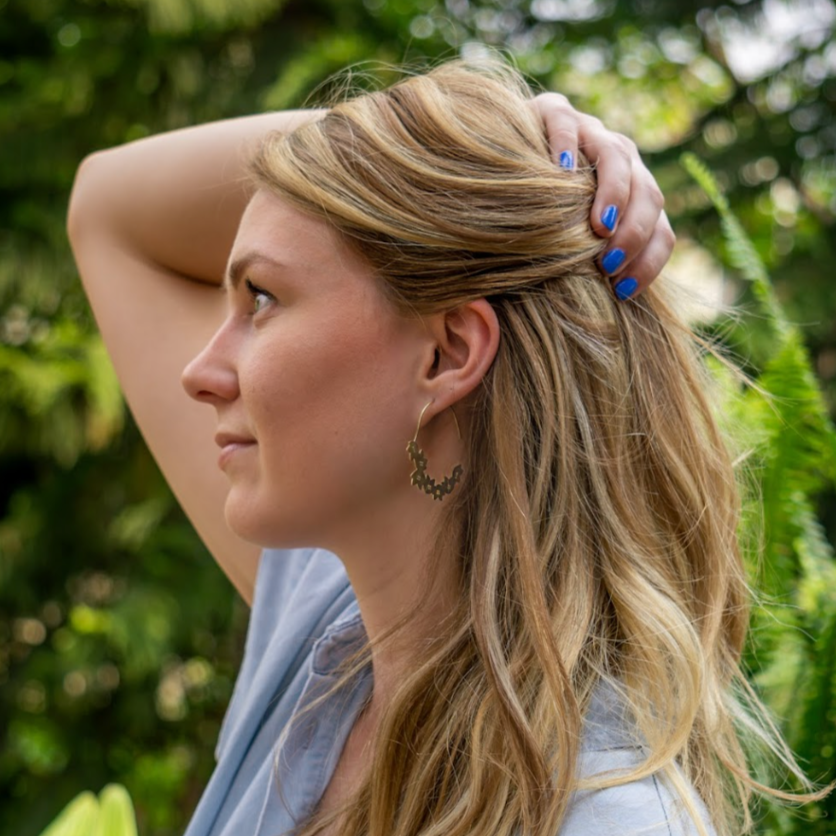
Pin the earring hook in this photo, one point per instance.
(421, 418)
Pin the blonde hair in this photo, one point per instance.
(598, 522)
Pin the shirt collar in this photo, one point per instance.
(343, 637)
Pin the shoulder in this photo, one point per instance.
(649, 807)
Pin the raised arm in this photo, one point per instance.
(151, 225)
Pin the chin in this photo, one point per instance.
(265, 527)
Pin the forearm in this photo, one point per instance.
(175, 199)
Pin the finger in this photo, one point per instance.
(561, 122)
(647, 266)
(636, 227)
(614, 161)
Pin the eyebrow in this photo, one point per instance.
(239, 266)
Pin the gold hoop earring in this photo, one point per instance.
(420, 478)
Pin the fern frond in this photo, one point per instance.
(742, 253)
(783, 424)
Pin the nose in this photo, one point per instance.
(211, 377)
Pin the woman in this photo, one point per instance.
(416, 366)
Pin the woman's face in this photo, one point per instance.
(313, 375)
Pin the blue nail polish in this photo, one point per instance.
(626, 288)
(567, 160)
(612, 260)
(609, 217)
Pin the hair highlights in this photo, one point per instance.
(599, 538)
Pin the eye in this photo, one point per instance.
(260, 297)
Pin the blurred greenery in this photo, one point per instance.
(119, 638)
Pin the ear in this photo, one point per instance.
(465, 342)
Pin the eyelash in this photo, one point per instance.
(255, 291)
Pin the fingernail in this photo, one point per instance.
(612, 260)
(609, 217)
(626, 288)
(567, 160)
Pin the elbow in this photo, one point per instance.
(86, 196)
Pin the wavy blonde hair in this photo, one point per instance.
(598, 523)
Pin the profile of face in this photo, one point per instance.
(313, 376)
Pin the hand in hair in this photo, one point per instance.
(628, 206)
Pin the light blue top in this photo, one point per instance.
(305, 620)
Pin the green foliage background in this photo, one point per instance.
(119, 638)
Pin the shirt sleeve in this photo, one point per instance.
(640, 808)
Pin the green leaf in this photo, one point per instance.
(116, 817)
(111, 814)
(79, 818)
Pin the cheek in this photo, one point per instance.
(331, 414)
(354, 407)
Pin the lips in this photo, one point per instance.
(231, 444)
(222, 439)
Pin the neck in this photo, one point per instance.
(394, 575)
